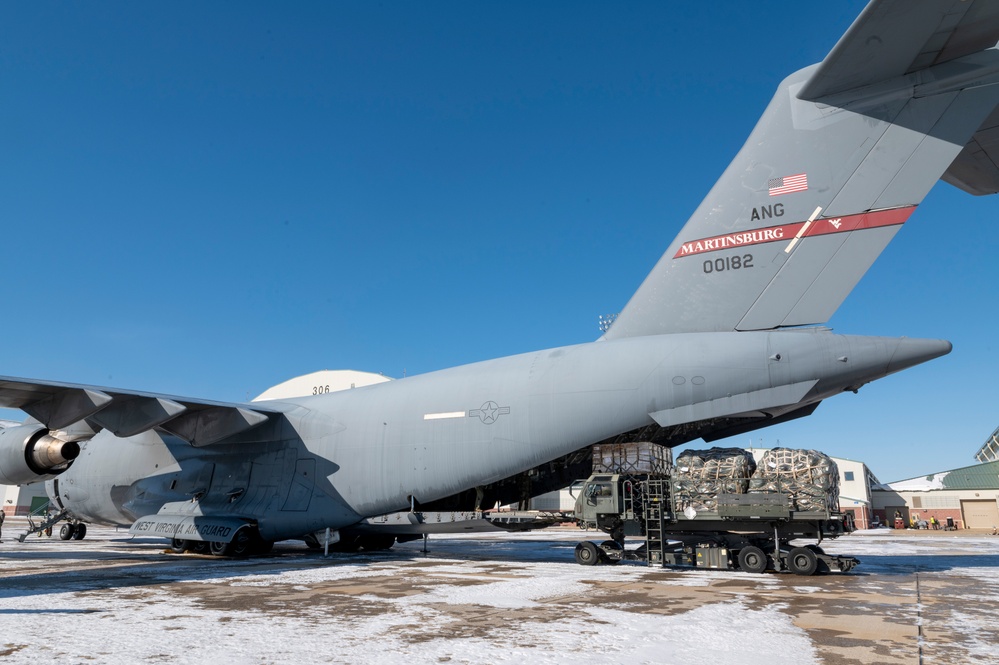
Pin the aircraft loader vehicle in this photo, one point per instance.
(713, 509)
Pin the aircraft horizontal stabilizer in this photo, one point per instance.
(58, 406)
(975, 170)
(892, 38)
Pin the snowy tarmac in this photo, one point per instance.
(497, 598)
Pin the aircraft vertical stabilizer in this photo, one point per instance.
(840, 159)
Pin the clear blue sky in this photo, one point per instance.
(208, 199)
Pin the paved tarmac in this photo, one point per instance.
(917, 597)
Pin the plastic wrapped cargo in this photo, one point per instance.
(701, 475)
(640, 457)
(811, 478)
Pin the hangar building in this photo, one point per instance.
(969, 496)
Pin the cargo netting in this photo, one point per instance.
(701, 475)
(811, 478)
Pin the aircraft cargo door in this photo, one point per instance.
(980, 514)
(302, 484)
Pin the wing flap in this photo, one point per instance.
(62, 409)
(131, 416)
(207, 426)
(127, 413)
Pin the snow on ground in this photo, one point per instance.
(486, 599)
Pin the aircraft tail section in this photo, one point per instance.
(842, 156)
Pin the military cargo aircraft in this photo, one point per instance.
(724, 336)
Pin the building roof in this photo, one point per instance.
(976, 477)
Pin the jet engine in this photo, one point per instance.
(29, 453)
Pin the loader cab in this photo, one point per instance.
(600, 495)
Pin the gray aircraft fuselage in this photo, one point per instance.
(716, 341)
(369, 451)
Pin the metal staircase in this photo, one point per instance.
(40, 519)
(655, 511)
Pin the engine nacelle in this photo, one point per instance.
(28, 453)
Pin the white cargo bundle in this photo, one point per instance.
(811, 478)
(641, 457)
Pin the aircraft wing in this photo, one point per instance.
(895, 37)
(127, 413)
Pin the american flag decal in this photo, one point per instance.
(788, 184)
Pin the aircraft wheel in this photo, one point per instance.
(802, 561)
(243, 543)
(311, 541)
(752, 559)
(66, 532)
(80, 532)
(218, 548)
(198, 547)
(587, 554)
(179, 545)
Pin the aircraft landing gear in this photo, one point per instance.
(70, 531)
(245, 542)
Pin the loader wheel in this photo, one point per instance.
(752, 559)
(802, 561)
(587, 554)
(80, 532)
(66, 532)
